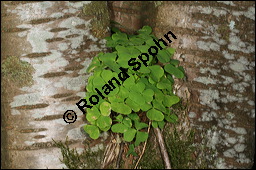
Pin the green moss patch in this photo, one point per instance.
(17, 71)
(88, 159)
(180, 151)
(152, 157)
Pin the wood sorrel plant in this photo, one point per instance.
(146, 89)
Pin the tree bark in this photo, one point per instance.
(56, 40)
(216, 47)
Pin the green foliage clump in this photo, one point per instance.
(147, 88)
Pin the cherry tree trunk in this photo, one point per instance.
(57, 41)
(216, 46)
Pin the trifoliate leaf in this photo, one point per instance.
(106, 75)
(108, 57)
(119, 118)
(158, 105)
(119, 128)
(92, 130)
(170, 100)
(171, 118)
(156, 115)
(121, 108)
(146, 107)
(105, 108)
(129, 134)
(145, 30)
(136, 41)
(154, 124)
(131, 150)
(173, 70)
(140, 137)
(164, 83)
(92, 114)
(138, 87)
(148, 95)
(161, 124)
(163, 56)
(140, 125)
(134, 106)
(174, 62)
(156, 72)
(127, 122)
(171, 50)
(119, 36)
(137, 97)
(104, 122)
(134, 116)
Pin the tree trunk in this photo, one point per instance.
(57, 42)
(215, 44)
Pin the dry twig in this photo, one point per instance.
(163, 149)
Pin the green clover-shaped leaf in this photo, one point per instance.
(105, 108)
(92, 130)
(154, 114)
(121, 108)
(129, 134)
(119, 128)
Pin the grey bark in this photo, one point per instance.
(56, 40)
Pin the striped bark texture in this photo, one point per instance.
(56, 40)
(216, 46)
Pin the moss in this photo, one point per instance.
(100, 17)
(86, 160)
(17, 71)
(152, 156)
(180, 151)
